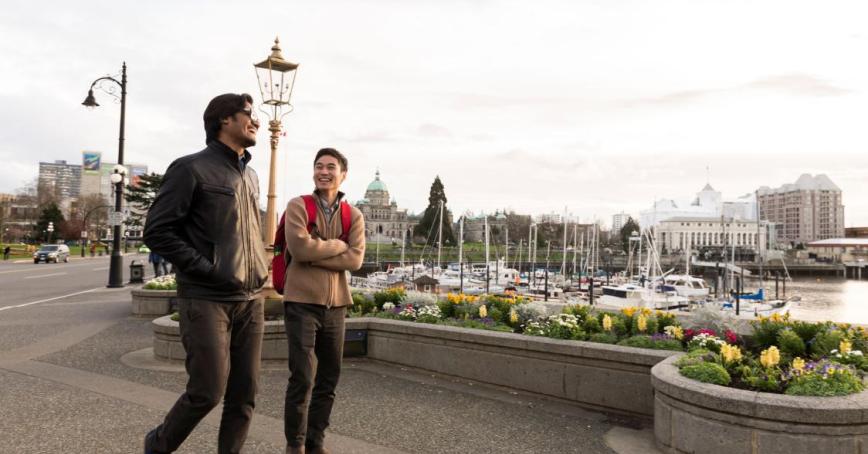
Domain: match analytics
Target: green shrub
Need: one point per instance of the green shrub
(826, 341)
(176, 317)
(668, 344)
(562, 332)
(665, 319)
(362, 304)
(392, 295)
(707, 373)
(619, 325)
(498, 316)
(592, 325)
(807, 330)
(639, 340)
(790, 343)
(581, 312)
(446, 308)
(765, 332)
(761, 378)
(604, 338)
(838, 384)
(697, 356)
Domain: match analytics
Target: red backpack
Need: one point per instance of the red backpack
(281, 259)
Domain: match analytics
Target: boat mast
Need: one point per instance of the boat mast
(403, 244)
(564, 257)
(575, 246)
(440, 236)
(461, 253)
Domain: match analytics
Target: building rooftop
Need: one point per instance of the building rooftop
(377, 185)
(839, 242)
(806, 182)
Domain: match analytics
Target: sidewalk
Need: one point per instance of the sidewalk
(90, 384)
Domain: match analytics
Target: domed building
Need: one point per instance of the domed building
(384, 222)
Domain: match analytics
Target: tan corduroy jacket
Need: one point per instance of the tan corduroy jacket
(317, 273)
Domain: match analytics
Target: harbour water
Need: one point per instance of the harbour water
(827, 298)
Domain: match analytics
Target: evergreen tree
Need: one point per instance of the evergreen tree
(430, 223)
(51, 213)
(141, 197)
(626, 231)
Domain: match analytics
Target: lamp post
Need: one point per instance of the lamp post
(276, 78)
(116, 278)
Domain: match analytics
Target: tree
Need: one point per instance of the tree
(49, 214)
(431, 217)
(626, 232)
(141, 196)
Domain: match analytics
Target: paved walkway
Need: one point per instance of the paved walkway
(77, 375)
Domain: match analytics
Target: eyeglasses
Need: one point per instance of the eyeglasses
(250, 114)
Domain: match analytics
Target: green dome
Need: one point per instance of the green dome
(377, 185)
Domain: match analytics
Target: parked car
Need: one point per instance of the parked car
(144, 249)
(51, 253)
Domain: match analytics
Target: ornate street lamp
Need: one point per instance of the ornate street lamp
(116, 272)
(276, 78)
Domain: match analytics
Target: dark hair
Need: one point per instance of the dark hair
(333, 153)
(223, 106)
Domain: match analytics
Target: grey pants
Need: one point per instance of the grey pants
(316, 345)
(223, 342)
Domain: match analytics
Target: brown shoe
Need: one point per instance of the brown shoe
(295, 449)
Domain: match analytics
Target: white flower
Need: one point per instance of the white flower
(856, 352)
(388, 306)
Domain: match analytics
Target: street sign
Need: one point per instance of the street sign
(116, 218)
(84, 234)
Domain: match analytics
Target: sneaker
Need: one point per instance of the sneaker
(149, 440)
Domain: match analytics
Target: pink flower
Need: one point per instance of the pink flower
(731, 337)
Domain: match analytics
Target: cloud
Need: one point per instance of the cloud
(791, 84)
(798, 84)
(432, 130)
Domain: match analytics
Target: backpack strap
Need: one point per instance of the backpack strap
(310, 207)
(346, 222)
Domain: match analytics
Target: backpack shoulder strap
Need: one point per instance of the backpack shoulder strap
(346, 221)
(310, 207)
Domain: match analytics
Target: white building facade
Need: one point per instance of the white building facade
(708, 203)
(693, 233)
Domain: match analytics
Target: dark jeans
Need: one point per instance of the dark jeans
(316, 345)
(223, 342)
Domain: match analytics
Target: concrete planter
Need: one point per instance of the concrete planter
(608, 377)
(690, 417)
(147, 303)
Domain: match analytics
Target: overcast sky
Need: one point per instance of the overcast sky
(596, 106)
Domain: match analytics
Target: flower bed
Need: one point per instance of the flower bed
(783, 356)
(691, 417)
(157, 297)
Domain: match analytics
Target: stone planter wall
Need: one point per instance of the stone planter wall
(609, 377)
(692, 417)
(147, 303)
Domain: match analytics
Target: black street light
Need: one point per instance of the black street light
(116, 272)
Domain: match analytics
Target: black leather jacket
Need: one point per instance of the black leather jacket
(205, 221)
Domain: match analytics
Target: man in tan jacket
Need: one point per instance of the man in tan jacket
(315, 300)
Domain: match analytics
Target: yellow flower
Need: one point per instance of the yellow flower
(845, 347)
(730, 353)
(770, 357)
(677, 332)
(776, 317)
(843, 326)
(645, 311)
(483, 311)
(607, 322)
(628, 311)
(798, 365)
(641, 323)
(513, 316)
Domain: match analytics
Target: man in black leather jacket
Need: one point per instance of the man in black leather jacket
(205, 221)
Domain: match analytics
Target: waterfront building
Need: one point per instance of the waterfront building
(808, 210)
(60, 182)
(679, 234)
(707, 203)
(384, 221)
(474, 227)
(619, 220)
(838, 250)
(856, 232)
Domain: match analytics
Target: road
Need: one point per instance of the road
(27, 283)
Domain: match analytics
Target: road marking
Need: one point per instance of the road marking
(100, 269)
(44, 275)
(50, 299)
